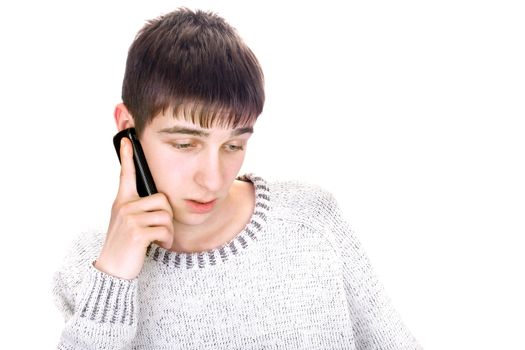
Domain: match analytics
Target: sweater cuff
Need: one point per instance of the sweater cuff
(108, 299)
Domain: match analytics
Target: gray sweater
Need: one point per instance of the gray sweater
(295, 278)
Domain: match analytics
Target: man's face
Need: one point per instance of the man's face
(189, 162)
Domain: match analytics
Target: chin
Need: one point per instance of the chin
(191, 219)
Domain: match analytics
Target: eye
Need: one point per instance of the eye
(234, 148)
(182, 145)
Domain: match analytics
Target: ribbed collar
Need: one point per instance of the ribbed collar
(219, 255)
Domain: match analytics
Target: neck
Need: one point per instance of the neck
(221, 227)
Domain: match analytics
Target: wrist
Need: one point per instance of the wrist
(113, 271)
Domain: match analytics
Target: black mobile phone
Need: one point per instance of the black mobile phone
(145, 184)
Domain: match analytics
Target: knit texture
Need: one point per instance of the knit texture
(295, 278)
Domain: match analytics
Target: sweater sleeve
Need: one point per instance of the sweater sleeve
(100, 310)
(375, 322)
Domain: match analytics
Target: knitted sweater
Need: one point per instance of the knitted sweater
(295, 278)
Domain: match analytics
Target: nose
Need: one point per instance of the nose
(209, 175)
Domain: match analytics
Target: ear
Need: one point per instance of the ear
(123, 118)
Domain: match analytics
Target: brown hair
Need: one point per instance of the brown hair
(196, 66)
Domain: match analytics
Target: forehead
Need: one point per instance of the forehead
(167, 125)
(210, 115)
(203, 117)
(163, 121)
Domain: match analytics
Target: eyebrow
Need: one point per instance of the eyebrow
(202, 133)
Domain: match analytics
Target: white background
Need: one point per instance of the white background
(410, 112)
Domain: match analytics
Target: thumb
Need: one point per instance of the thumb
(128, 184)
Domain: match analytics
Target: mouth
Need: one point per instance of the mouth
(199, 206)
(202, 201)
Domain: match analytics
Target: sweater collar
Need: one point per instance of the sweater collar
(239, 243)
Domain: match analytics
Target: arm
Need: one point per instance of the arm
(99, 299)
(376, 324)
(103, 315)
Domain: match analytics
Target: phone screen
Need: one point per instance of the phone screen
(145, 184)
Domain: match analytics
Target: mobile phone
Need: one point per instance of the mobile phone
(145, 184)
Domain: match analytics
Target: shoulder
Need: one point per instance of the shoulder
(82, 251)
(83, 248)
(314, 207)
(301, 200)
(286, 190)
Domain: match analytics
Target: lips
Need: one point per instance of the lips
(200, 207)
(203, 201)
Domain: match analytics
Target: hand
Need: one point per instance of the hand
(135, 223)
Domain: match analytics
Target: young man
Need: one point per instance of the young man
(213, 260)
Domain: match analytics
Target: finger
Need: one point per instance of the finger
(128, 185)
(160, 201)
(154, 218)
(160, 235)
(157, 201)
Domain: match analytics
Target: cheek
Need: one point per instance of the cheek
(236, 163)
(172, 170)
(168, 169)
(171, 178)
